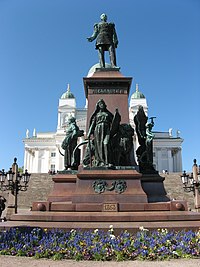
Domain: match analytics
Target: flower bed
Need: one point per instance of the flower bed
(100, 245)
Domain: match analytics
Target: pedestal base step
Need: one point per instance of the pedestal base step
(118, 226)
(109, 207)
(145, 216)
(66, 206)
(62, 206)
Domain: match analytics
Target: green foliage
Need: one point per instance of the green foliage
(21, 169)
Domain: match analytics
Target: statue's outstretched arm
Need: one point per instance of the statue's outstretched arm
(95, 33)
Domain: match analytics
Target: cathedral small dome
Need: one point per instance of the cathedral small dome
(137, 94)
(67, 94)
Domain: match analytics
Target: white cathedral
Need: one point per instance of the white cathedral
(42, 149)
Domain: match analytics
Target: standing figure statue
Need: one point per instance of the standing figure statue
(145, 139)
(69, 144)
(149, 141)
(122, 146)
(111, 144)
(100, 127)
(140, 121)
(106, 40)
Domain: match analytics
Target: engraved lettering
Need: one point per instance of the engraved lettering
(110, 207)
(108, 91)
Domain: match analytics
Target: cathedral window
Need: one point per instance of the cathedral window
(53, 168)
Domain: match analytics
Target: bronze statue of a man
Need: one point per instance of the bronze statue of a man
(145, 138)
(106, 40)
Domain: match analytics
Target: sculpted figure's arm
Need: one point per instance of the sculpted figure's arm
(74, 131)
(115, 39)
(91, 128)
(95, 33)
(149, 133)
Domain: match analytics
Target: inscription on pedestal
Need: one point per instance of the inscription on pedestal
(110, 207)
(108, 91)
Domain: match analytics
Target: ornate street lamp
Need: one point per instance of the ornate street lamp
(191, 183)
(14, 181)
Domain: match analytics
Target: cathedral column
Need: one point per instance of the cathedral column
(25, 159)
(176, 152)
(36, 161)
(170, 161)
(28, 165)
(46, 167)
(31, 159)
(178, 160)
(155, 158)
(59, 120)
(159, 159)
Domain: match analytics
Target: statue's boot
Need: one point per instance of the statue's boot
(112, 56)
(101, 57)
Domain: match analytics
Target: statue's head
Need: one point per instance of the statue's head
(140, 108)
(103, 17)
(71, 120)
(149, 125)
(101, 104)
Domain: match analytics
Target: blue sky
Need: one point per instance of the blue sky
(43, 47)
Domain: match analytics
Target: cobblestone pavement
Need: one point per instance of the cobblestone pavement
(10, 261)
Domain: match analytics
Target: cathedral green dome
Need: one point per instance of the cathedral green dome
(137, 94)
(67, 94)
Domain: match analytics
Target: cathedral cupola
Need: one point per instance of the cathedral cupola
(67, 94)
(137, 94)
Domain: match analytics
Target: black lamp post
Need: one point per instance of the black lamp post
(14, 181)
(191, 183)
